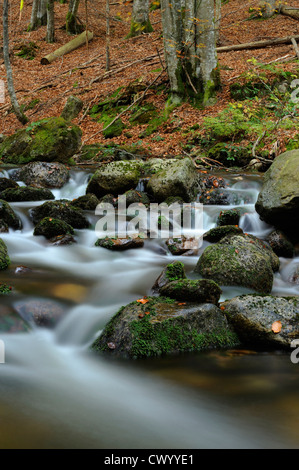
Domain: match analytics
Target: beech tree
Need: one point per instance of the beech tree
(38, 14)
(13, 98)
(140, 21)
(72, 26)
(190, 49)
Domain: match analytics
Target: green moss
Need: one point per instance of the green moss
(4, 258)
(175, 271)
(139, 28)
(50, 227)
(5, 289)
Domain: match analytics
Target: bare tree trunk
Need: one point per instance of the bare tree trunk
(50, 37)
(33, 20)
(140, 22)
(71, 18)
(217, 18)
(14, 102)
(42, 13)
(190, 48)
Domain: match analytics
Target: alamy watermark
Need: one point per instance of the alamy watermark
(295, 353)
(150, 221)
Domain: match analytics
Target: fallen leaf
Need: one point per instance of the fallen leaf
(142, 301)
(276, 326)
(182, 303)
(111, 345)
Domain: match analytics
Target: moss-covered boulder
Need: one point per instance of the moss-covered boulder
(26, 193)
(44, 174)
(4, 258)
(120, 244)
(114, 178)
(239, 260)
(278, 200)
(62, 210)
(72, 108)
(264, 320)
(8, 216)
(193, 290)
(88, 202)
(48, 140)
(178, 178)
(6, 183)
(158, 326)
(134, 197)
(215, 234)
(50, 227)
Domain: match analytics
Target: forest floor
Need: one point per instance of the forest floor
(48, 86)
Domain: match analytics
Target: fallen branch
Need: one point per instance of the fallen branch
(290, 11)
(257, 44)
(69, 47)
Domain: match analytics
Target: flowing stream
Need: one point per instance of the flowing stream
(55, 393)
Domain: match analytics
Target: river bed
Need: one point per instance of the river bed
(57, 394)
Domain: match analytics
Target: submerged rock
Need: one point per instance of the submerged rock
(44, 174)
(278, 200)
(48, 140)
(40, 312)
(264, 320)
(158, 326)
(239, 260)
(26, 193)
(11, 322)
(62, 210)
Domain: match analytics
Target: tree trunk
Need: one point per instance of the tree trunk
(50, 37)
(190, 49)
(72, 26)
(289, 11)
(33, 20)
(217, 18)
(42, 13)
(14, 102)
(140, 22)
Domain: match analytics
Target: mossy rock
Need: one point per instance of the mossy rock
(134, 197)
(6, 183)
(112, 129)
(172, 272)
(8, 216)
(193, 290)
(48, 140)
(143, 114)
(230, 155)
(162, 326)
(72, 108)
(4, 258)
(229, 217)
(50, 227)
(281, 244)
(26, 193)
(62, 210)
(179, 177)
(44, 174)
(88, 202)
(115, 178)
(293, 144)
(217, 233)
(239, 260)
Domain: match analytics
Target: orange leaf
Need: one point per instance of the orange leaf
(222, 307)
(142, 301)
(276, 326)
(182, 303)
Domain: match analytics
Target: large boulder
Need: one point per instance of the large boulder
(26, 193)
(48, 140)
(178, 177)
(264, 320)
(278, 200)
(44, 174)
(239, 260)
(114, 178)
(159, 325)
